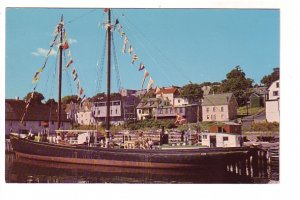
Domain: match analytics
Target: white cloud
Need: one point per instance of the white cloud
(44, 52)
(71, 40)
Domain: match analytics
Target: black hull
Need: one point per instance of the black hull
(175, 158)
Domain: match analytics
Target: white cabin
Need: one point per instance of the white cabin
(221, 139)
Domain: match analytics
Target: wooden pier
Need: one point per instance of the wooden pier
(254, 164)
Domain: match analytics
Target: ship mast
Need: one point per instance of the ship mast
(107, 127)
(60, 73)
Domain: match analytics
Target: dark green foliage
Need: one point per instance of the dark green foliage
(237, 83)
(101, 97)
(67, 99)
(265, 126)
(150, 123)
(51, 102)
(98, 97)
(269, 79)
(37, 97)
(192, 92)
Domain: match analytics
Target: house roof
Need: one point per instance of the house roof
(14, 110)
(217, 99)
(152, 103)
(170, 90)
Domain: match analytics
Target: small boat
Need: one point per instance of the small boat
(139, 158)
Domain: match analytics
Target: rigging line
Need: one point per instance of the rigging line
(97, 67)
(80, 16)
(47, 80)
(101, 66)
(116, 66)
(52, 88)
(102, 63)
(168, 61)
(150, 55)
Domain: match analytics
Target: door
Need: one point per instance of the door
(213, 141)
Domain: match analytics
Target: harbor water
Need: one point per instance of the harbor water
(21, 170)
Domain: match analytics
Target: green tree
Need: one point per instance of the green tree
(101, 97)
(192, 91)
(51, 102)
(269, 79)
(237, 83)
(37, 97)
(98, 97)
(67, 99)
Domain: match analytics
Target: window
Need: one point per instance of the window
(222, 109)
(277, 84)
(116, 111)
(207, 117)
(220, 129)
(204, 137)
(140, 111)
(275, 93)
(207, 109)
(178, 100)
(225, 138)
(98, 112)
(180, 110)
(214, 109)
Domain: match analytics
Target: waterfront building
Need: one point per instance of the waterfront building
(219, 107)
(39, 117)
(223, 135)
(84, 114)
(71, 111)
(122, 108)
(258, 97)
(166, 105)
(272, 102)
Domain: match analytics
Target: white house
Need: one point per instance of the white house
(171, 94)
(38, 117)
(272, 102)
(221, 139)
(219, 107)
(84, 114)
(116, 111)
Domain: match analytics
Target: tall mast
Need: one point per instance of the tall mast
(107, 127)
(60, 73)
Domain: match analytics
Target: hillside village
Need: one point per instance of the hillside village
(160, 104)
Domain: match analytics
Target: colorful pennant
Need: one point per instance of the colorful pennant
(134, 58)
(141, 67)
(150, 83)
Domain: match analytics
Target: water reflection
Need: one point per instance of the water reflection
(21, 170)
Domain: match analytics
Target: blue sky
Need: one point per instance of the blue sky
(176, 46)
